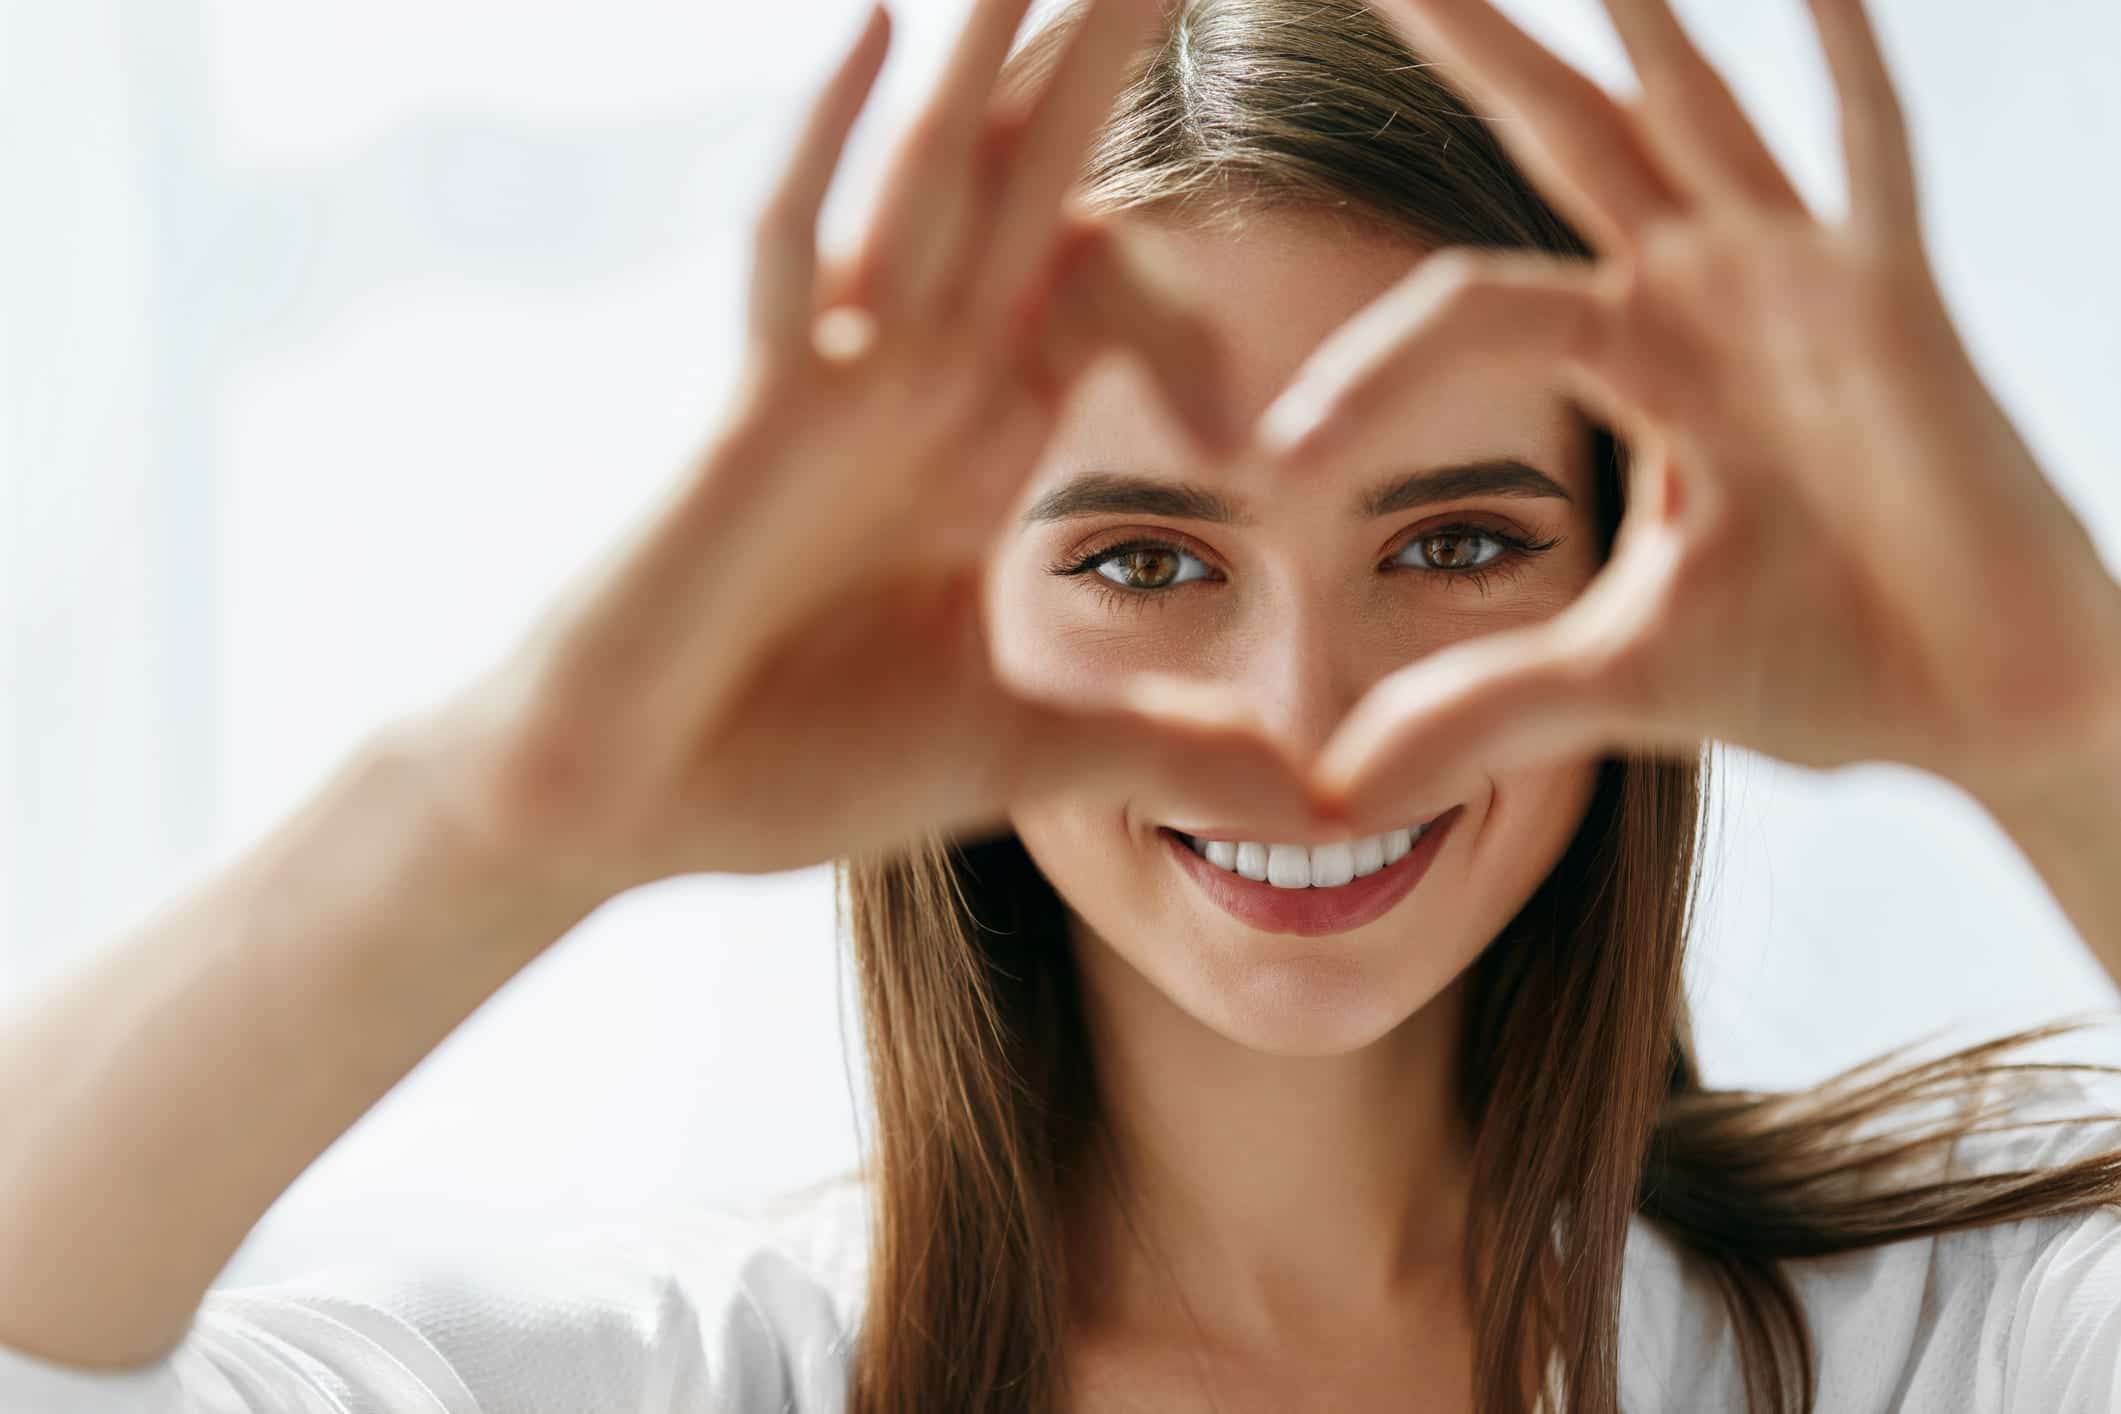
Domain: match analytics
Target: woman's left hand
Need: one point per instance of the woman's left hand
(1836, 547)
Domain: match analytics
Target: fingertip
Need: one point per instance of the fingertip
(871, 42)
(1295, 430)
(1331, 784)
(1329, 805)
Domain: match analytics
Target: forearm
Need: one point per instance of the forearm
(159, 1097)
(2070, 830)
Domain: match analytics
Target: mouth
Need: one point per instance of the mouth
(1312, 890)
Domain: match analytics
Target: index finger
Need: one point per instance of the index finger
(1047, 151)
(784, 267)
(1881, 166)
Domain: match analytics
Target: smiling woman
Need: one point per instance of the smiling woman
(1273, 1001)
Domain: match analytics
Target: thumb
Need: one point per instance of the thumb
(1191, 746)
(1505, 700)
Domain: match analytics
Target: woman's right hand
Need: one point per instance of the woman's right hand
(786, 661)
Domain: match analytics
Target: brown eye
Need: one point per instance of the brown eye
(1144, 567)
(1458, 549)
(1454, 550)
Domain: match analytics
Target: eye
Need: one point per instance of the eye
(1459, 550)
(1142, 570)
(1145, 564)
(1454, 552)
(1135, 571)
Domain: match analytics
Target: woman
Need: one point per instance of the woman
(1270, 946)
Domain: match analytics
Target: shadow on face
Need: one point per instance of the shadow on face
(1297, 596)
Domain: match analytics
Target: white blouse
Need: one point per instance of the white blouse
(753, 1311)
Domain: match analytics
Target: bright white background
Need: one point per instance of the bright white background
(334, 335)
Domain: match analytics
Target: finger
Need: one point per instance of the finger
(1046, 152)
(1503, 701)
(1690, 115)
(784, 269)
(1109, 298)
(1576, 142)
(1457, 304)
(1187, 744)
(1883, 197)
(919, 232)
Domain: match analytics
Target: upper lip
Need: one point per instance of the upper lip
(1237, 835)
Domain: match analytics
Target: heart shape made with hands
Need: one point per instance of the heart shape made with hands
(1809, 438)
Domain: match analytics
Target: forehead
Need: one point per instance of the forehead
(1275, 287)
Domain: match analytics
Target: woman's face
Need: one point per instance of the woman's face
(1298, 603)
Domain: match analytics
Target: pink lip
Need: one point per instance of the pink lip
(1209, 834)
(1311, 913)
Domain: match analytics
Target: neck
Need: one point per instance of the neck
(1264, 1196)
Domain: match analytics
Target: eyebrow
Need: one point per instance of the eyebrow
(1111, 492)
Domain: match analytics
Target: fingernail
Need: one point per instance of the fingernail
(843, 334)
(1294, 428)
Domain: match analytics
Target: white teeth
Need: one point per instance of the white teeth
(1332, 865)
(1397, 844)
(1293, 866)
(1288, 866)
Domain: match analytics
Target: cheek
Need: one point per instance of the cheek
(1050, 633)
(1085, 851)
(1533, 815)
(1081, 846)
(1036, 636)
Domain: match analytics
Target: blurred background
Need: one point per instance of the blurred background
(335, 336)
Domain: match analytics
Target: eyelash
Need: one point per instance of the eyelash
(1518, 553)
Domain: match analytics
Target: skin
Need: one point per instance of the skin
(1283, 1102)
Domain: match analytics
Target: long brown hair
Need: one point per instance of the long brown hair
(1577, 1039)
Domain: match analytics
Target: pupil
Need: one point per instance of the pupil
(1154, 581)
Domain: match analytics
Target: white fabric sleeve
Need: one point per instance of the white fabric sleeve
(2057, 1295)
(712, 1317)
(2065, 1333)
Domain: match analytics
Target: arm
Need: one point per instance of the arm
(2072, 835)
(160, 1096)
(2066, 816)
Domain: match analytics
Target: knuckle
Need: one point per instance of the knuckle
(925, 143)
(775, 226)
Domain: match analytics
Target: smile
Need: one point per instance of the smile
(1310, 890)
(1293, 866)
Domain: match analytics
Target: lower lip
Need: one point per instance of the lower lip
(1311, 913)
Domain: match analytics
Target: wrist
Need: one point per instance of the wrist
(2073, 779)
(447, 784)
(2066, 819)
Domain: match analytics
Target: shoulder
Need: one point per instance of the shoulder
(2023, 1313)
(732, 1307)
(820, 1231)
(2048, 1289)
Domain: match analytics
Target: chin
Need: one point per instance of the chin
(1310, 1009)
